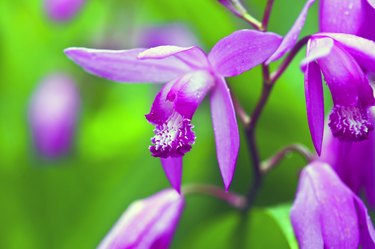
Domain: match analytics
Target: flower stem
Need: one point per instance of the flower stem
(267, 14)
(270, 163)
(233, 199)
(252, 21)
(251, 139)
(284, 65)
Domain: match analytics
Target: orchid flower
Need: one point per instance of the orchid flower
(327, 214)
(147, 224)
(190, 74)
(53, 115)
(62, 10)
(354, 163)
(343, 59)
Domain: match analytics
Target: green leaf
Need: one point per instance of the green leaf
(260, 229)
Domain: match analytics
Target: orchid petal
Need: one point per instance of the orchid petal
(371, 2)
(341, 16)
(183, 95)
(241, 51)
(344, 157)
(367, 232)
(291, 38)
(194, 57)
(330, 203)
(361, 49)
(226, 130)
(304, 216)
(315, 104)
(346, 80)
(148, 223)
(124, 66)
(173, 169)
(317, 48)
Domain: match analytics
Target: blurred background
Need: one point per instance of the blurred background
(71, 196)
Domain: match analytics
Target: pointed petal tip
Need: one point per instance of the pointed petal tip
(318, 148)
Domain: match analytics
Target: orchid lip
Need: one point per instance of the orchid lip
(173, 138)
(350, 123)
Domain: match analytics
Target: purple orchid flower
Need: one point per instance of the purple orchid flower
(190, 74)
(62, 10)
(343, 59)
(53, 114)
(354, 163)
(147, 224)
(327, 214)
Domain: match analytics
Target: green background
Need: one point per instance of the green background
(72, 202)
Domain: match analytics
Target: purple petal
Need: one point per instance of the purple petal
(148, 223)
(226, 130)
(341, 16)
(241, 51)
(291, 38)
(315, 104)
(193, 57)
(361, 49)
(62, 10)
(330, 203)
(345, 78)
(304, 216)
(124, 66)
(366, 229)
(371, 2)
(183, 95)
(317, 48)
(53, 114)
(345, 157)
(173, 169)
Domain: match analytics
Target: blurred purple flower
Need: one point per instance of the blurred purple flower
(343, 59)
(62, 10)
(52, 114)
(147, 224)
(327, 214)
(190, 74)
(168, 34)
(354, 163)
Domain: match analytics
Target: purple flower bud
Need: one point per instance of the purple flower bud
(354, 162)
(52, 115)
(147, 224)
(327, 214)
(62, 10)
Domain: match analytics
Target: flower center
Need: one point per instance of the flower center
(173, 138)
(350, 123)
